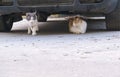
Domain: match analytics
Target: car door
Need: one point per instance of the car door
(6, 2)
(42, 2)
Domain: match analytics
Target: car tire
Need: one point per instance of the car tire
(42, 17)
(113, 19)
(6, 22)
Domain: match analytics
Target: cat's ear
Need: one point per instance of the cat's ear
(27, 14)
(35, 12)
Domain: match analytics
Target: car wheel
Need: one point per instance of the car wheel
(42, 17)
(6, 22)
(113, 19)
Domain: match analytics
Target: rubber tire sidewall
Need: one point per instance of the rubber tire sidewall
(113, 19)
(42, 17)
(6, 23)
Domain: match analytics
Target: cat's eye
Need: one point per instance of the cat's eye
(28, 17)
(34, 17)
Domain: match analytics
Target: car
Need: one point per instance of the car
(12, 10)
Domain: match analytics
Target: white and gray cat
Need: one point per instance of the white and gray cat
(32, 22)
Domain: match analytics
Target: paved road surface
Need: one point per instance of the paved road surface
(55, 52)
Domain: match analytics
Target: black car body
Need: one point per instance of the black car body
(13, 9)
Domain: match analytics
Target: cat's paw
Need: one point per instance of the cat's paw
(34, 34)
(29, 33)
(77, 32)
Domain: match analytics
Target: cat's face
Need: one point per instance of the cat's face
(77, 20)
(31, 16)
(74, 21)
